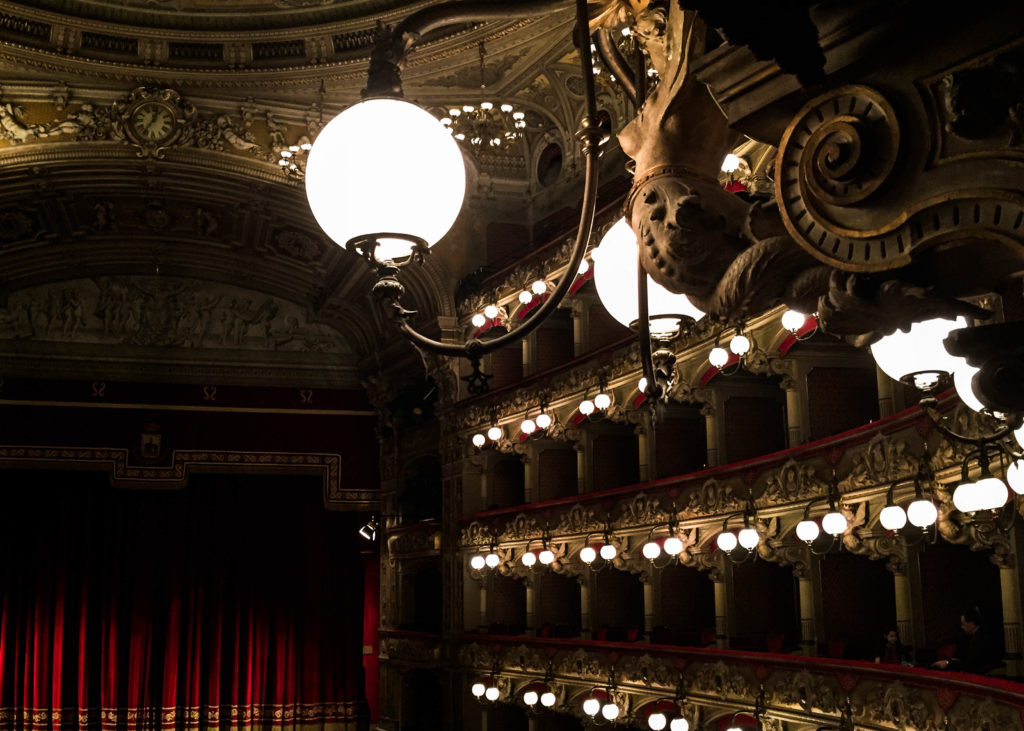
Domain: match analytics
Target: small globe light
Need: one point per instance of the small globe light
(602, 401)
(494, 433)
(993, 493)
(922, 513)
(492, 559)
(610, 711)
(740, 345)
(591, 706)
(479, 320)
(529, 559)
(892, 517)
(529, 426)
(608, 552)
(727, 541)
(748, 538)
(1019, 436)
(641, 385)
(651, 550)
(547, 699)
(793, 320)
(547, 557)
(584, 267)
(530, 697)
(657, 721)
(966, 498)
(718, 357)
(492, 693)
(1015, 476)
(615, 277)
(479, 440)
(962, 380)
(491, 311)
(673, 546)
(679, 724)
(385, 144)
(478, 689)
(920, 351)
(477, 562)
(588, 555)
(539, 287)
(543, 421)
(807, 530)
(586, 407)
(731, 163)
(834, 523)
(525, 297)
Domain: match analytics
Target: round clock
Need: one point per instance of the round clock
(153, 122)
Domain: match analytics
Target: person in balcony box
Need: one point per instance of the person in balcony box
(891, 651)
(978, 651)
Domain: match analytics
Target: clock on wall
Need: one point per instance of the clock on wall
(153, 122)
(153, 119)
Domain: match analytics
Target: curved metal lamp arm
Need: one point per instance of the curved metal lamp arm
(389, 290)
(611, 57)
(929, 406)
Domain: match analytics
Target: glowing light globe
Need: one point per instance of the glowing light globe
(543, 421)
(591, 706)
(892, 517)
(529, 426)
(491, 311)
(615, 276)
(479, 320)
(748, 538)
(657, 721)
(529, 559)
(525, 297)
(602, 401)
(962, 377)
(479, 440)
(539, 287)
(530, 697)
(478, 689)
(807, 530)
(546, 557)
(922, 513)
(492, 693)
(588, 555)
(608, 552)
(718, 357)
(477, 562)
(547, 699)
(641, 385)
(586, 407)
(383, 166)
(1019, 436)
(679, 724)
(731, 163)
(673, 546)
(988, 493)
(651, 550)
(919, 351)
(793, 320)
(727, 541)
(834, 523)
(740, 345)
(492, 560)
(494, 433)
(610, 711)
(1015, 476)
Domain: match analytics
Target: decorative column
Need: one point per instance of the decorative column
(529, 344)
(644, 443)
(1009, 585)
(809, 582)
(531, 485)
(580, 309)
(711, 429)
(794, 412)
(584, 608)
(531, 608)
(885, 394)
(484, 621)
(584, 475)
(720, 574)
(649, 607)
(906, 577)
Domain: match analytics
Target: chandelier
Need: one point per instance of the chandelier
(485, 124)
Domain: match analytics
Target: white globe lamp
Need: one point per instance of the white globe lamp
(385, 166)
(479, 440)
(651, 550)
(748, 538)
(922, 513)
(529, 559)
(531, 697)
(834, 523)
(547, 699)
(919, 355)
(740, 345)
(793, 320)
(477, 563)
(727, 541)
(1015, 476)
(586, 407)
(591, 706)
(478, 689)
(962, 378)
(546, 557)
(602, 401)
(588, 555)
(492, 693)
(718, 357)
(492, 559)
(529, 426)
(673, 546)
(892, 517)
(543, 421)
(610, 711)
(494, 433)
(608, 552)
(679, 724)
(657, 721)
(807, 530)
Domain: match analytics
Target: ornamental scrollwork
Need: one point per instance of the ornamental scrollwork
(521, 528)
(582, 664)
(721, 680)
(577, 519)
(646, 670)
(713, 497)
(805, 690)
(525, 659)
(983, 714)
(901, 707)
(883, 460)
(794, 481)
(643, 510)
(878, 546)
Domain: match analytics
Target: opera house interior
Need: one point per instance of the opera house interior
(510, 365)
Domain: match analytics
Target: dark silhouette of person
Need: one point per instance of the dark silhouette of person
(891, 651)
(978, 651)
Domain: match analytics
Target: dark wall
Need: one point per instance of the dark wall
(765, 604)
(681, 444)
(617, 602)
(839, 399)
(687, 604)
(754, 426)
(506, 485)
(508, 605)
(859, 605)
(557, 474)
(954, 578)
(616, 461)
(557, 601)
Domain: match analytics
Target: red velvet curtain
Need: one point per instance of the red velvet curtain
(234, 603)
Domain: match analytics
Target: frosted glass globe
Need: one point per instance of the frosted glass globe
(807, 530)
(477, 562)
(966, 498)
(586, 407)
(385, 165)
(740, 345)
(539, 287)
(641, 385)
(529, 426)
(892, 517)
(608, 552)
(962, 381)
(727, 541)
(547, 699)
(543, 421)
(922, 513)
(479, 320)
(588, 555)
(994, 493)
(793, 320)
(615, 277)
(478, 689)
(591, 706)
(1015, 476)
(679, 724)
(748, 538)
(673, 546)
(494, 433)
(479, 440)
(920, 350)
(491, 311)
(492, 693)
(546, 557)
(530, 697)
(610, 711)
(492, 560)
(657, 721)
(651, 550)
(525, 297)
(602, 401)
(529, 558)
(718, 357)
(1019, 436)
(833, 523)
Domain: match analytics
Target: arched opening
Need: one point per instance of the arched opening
(558, 605)
(419, 497)
(859, 606)
(617, 611)
(422, 701)
(765, 607)
(687, 608)
(507, 482)
(549, 164)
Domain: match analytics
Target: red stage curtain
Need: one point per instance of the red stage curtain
(234, 603)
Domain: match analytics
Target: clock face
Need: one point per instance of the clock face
(153, 122)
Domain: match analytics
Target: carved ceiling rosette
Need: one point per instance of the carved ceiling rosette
(646, 670)
(805, 690)
(712, 498)
(793, 482)
(882, 461)
(901, 707)
(719, 679)
(983, 714)
(583, 665)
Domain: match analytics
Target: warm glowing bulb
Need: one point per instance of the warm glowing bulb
(529, 558)
(584, 267)
(543, 421)
(608, 552)
(793, 320)
(547, 557)
(588, 555)
(591, 706)
(492, 559)
(529, 426)
(491, 311)
(494, 433)
(892, 517)
(740, 345)
(922, 513)
(718, 357)
(479, 320)
(657, 721)
(748, 538)
(731, 163)
(586, 407)
(673, 546)
(610, 711)
(547, 699)
(602, 401)
(963, 380)
(525, 297)
(530, 697)
(651, 550)
(539, 287)
(679, 724)
(477, 562)
(1019, 436)
(727, 541)
(1015, 476)
(807, 530)
(641, 385)
(492, 693)
(834, 523)
(478, 689)
(479, 440)
(920, 351)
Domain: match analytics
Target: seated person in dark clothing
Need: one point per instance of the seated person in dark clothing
(891, 651)
(979, 649)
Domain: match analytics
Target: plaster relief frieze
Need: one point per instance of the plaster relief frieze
(478, 656)
(583, 665)
(526, 659)
(647, 671)
(793, 482)
(805, 690)
(901, 707)
(521, 528)
(879, 546)
(883, 460)
(578, 519)
(719, 679)
(712, 498)
(983, 714)
(163, 312)
(642, 510)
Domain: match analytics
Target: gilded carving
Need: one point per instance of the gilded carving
(583, 664)
(642, 510)
(983, 714)
(713, 497)
(577, 519)
(794, 481)
(882, 461)
(901, 707)
(719, 679)
(805, 690)
(521, 528)
(647, 671)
